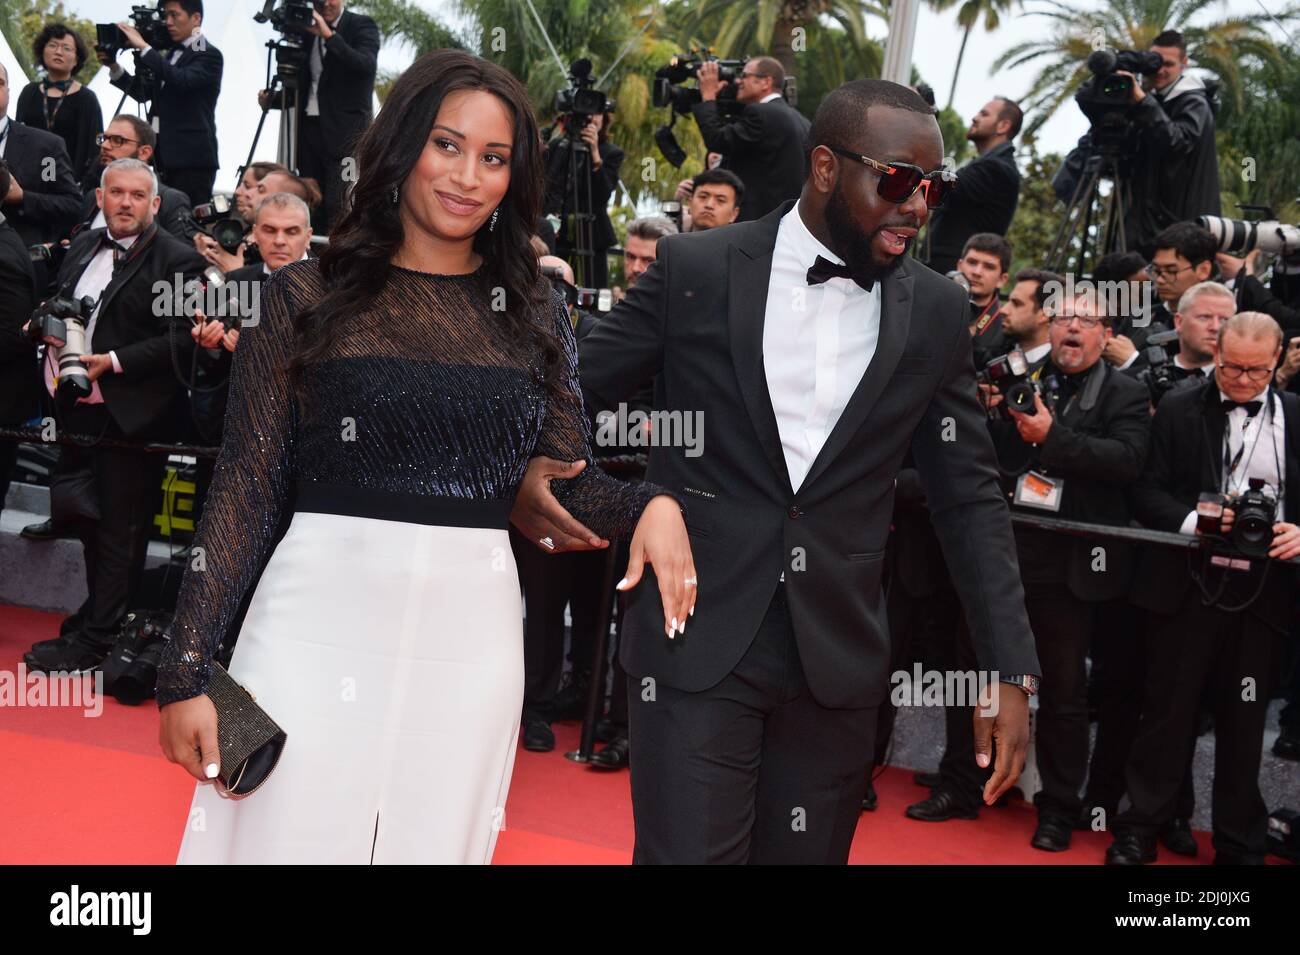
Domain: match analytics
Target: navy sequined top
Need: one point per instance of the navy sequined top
(424, 393)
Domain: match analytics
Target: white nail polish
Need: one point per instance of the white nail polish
(621, 584)
(692, 610)
(674, 623)
(211, 770)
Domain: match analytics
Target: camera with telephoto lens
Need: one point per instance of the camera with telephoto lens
(61, 324)
(1010, 373)
(1105, 96)
(587, 299)
(680, 99)
(1254, 514)
(214, 219)
(131, 667)
(292, 18)
(149, 23)
(1241, 236)
(1160, 376)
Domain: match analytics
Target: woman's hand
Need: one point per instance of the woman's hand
(660, 538)
(188, 736)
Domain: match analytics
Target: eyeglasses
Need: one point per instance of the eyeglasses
(749, 76)
(1233, 372)
(117, 141)
(1085, 321)
(1168, 271)
(900, 180)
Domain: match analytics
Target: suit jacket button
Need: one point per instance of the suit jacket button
(796, 512)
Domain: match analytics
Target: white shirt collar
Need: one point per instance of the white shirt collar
(1261, 397)
(770, 96)
(1037, 352)
(802, 243)
(266, 269)
(125, 242)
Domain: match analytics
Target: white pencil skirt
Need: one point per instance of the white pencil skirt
(391, 654)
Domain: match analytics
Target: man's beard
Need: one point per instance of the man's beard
(852, 245)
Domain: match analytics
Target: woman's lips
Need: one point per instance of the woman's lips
(457, 207)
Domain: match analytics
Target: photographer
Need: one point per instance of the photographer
(337, 105)
(40, 207)
(19, 380)
(990, 186)
(181, 87)
(1232, 431)
(275, 178)
(1132, 328)
(563, 190)
(1252, 296)
(984, 262)
(1202, 312)
(133, 395)
(1071, 456)
(1026, 322)
(767, 146)
(129, 137)
(712, 199)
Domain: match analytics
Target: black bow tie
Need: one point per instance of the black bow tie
(106, 241)
(1252, 407)
(824, 269)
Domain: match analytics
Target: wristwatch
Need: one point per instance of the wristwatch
(1025, 681)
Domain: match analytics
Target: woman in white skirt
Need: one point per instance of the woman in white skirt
(385, 406)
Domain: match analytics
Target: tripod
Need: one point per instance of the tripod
(283, 89)
(1088, 201)
(577, 199)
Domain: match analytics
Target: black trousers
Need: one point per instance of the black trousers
(959, 774)
(752, 770)
(128, 488)
(1235, 655)
(315, 162)
(195, 183)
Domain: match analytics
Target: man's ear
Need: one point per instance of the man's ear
(99, 197)
(1203, 269)
(144, 153)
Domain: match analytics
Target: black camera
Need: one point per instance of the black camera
(131, 667)
(1104, 96)
(1254, 514)
(680, 99)
(1160, 376)
(61, 324)
(293, 18)
(580, 100)
(1010, 373)
(214, 219)
(587, 299)
(148, 21)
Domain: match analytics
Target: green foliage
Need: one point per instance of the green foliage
(23, 21)
(1038, 216)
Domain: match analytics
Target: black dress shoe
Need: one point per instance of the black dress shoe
(571, 698)
(43, 531)
(606, 730)
(73, 657)
(613, 756)
(538, 737)
(1131, 850)
(1178, 839)
(928, 780)
(41, 647)
(940, 807)
(1287, 744)
(869, 801)
(1053, 834)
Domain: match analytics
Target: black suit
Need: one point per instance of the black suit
(345, 97)
(767, 147)
(49, 206)
(1191, 646)
(182, 98)
(19, 373)
(819, 643)
(988, 190)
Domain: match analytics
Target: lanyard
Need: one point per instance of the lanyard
(986, 316)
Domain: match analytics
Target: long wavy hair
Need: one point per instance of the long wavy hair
(356, 264)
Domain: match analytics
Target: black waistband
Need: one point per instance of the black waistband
(320, 498)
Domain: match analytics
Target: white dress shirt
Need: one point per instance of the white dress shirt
(769, 97)
(1264, 437)
(116, 70)
(817, 343)
(1038, 351)
(93, 281)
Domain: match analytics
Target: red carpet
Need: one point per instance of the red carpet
(81, 790)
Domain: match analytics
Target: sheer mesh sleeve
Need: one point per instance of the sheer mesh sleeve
(244, 505)
(610, 507)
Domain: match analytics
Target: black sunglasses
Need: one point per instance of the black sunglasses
(900, 180)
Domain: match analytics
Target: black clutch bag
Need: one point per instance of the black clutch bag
(250, 741)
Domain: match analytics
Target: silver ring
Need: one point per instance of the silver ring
(547, 543)
(691, 582)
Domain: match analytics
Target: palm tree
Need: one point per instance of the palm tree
(1221, 46)
(969, 14)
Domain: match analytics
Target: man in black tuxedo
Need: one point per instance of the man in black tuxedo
(990, 186)
(753, 727)
(19, 381)
(336, 103)
(40, 206)
(767, 146)
(131, 334)
(181, 89)
(1218, 437)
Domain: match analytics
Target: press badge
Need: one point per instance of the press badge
(1037, 490)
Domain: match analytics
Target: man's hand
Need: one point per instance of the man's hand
(230, 339)
(1225, 522)
(1033, 428)
(104, 57)
(1118, 349)
(15, 194)
(990, 397)
(1290, 365)
(707, 74)
(684, 190)
(319, 27)
(1138, 94)
(97, 365)
(539, 516)
(207, 333)
(1286, 541)
(592, 139)
(133, 37)
(1009, 727)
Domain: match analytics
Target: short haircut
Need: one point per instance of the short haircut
(1046, 281)
(1200, 289)
(57, 31)
(1189, 240)
(651, 228)
(189, 6)
(992, 244)
(769, 67)
(1171, 38)
(1010, 111)
(305, 189)
(724, 177)
(284, 200)
(262, 169)
(130, 165)
(144, 133)
(1252, 325)
(1118, 266)
(5, 178)
(841, 119)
